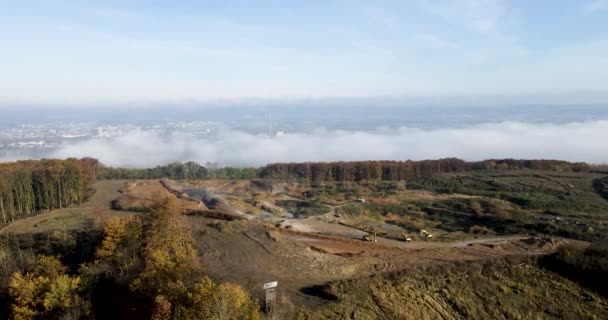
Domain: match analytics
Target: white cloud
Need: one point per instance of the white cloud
(573, 141)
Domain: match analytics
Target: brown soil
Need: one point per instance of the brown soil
(141, 194)
(261, 253)
(298, 253)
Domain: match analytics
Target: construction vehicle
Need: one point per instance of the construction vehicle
(425, 234)
(370, 237)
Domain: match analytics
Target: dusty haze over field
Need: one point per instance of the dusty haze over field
(581, 141)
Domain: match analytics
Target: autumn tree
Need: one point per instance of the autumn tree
(119, 254)
(169, 255)
(47, 293)
(171, 265)
(27, 187)
(226, 301)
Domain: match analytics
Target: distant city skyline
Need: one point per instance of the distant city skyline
(138, 52)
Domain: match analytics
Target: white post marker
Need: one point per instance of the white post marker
(270, 285)
(270, 288)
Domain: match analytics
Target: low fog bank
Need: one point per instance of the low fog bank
(584, 141)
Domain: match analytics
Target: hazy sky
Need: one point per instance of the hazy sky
(79, 52)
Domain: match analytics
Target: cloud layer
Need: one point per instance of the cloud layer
(584, 141)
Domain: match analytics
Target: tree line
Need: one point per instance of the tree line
(30, 186)
(180, 171)
(402, 170)
(342, 171)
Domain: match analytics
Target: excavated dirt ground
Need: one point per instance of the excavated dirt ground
(301, 254)
(255, 253)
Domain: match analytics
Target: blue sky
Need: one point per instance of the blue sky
(91, 52)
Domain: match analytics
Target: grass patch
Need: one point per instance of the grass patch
(495, 289)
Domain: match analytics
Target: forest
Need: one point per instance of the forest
(180, 171)
(402, 170)
(30, 186)
(27, 187)
(137, 267)
(336, 171)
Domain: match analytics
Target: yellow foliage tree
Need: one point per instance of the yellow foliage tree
(63, 294)
(120, 251)
(114, 231)
(231, 302)
(47, 292)
(162, 308)
(26, 291)
(227, 301)
(49, 266)
(169, 255)
(160, 245)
